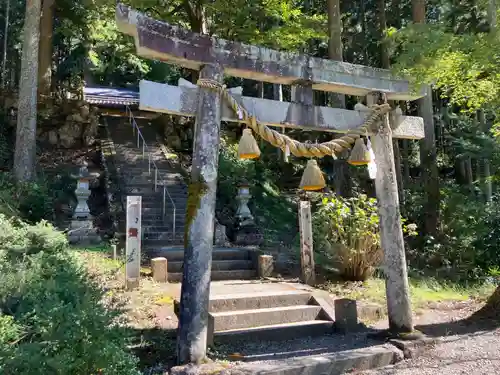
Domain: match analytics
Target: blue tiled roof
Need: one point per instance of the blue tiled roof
(110, 96)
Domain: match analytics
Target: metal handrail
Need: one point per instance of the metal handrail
(145, 148)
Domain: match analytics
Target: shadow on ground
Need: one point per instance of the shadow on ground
(473, 324)
(154, 347)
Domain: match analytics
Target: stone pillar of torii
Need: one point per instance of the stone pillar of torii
(214, 58)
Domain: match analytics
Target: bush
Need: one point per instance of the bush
(346, 231)
(466, 245)
(19, 239)
(30, 201)
(54, 317)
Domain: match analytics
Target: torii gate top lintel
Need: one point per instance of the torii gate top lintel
(161, 41)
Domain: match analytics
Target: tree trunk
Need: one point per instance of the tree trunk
(364, 29)
(399, 174)
(460, 172)
(278, 95)
(428, 164)
(45, 61)
(335, 52)
(386, 64)
(406, 162)
(198, 23)
(24, 157)
(335, 49)
(469, 177)
(492, 15)
(418, 8)
(5, 44)
(428, 145)
(488, 189)
(384, 50)
(491, 310)
(395, 14)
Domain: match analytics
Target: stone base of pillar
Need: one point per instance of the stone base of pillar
(82, 232)
(265, 265)
(159, 269)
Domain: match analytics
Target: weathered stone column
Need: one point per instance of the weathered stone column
(391, 232)
(199, 232)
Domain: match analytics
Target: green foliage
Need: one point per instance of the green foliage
(267, 199)
(457, 56)
(19, 239)
(465, 247)
(54, 317)
(31, 201)
(347, 232)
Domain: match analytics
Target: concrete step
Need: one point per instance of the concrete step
(276, 332)
(229, 320)
(149, 244)
(174, 253)
(152, 212)
(150, 180)
(149, 195)
(162, 228)
(254, 301)
(142, 170)
(167, 223)
(149, 186)
(217, 265)
(152, 198)
(220, 275)
(156, 206)
(162, 236)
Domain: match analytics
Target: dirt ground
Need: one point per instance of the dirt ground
(467, 348)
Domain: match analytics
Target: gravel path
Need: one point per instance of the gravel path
(472, 354)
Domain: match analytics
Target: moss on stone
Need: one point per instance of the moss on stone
(195, 190)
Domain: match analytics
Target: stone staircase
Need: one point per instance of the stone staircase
(160, 237)
(139, 177)
(227, 263)
(271, 312)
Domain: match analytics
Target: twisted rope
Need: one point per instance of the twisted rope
(283, 141)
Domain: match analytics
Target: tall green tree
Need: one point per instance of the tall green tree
(45, 48)
(428, 144)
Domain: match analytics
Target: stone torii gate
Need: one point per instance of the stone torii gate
(214, 57)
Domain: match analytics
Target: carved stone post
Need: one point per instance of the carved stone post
(306, 243)
(133, 244)
(391, 232)
(199, 232)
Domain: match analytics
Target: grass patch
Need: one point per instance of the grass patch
(97, 259)
(422, 292)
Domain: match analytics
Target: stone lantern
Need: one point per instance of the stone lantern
(243, 214)
(82, 228)
(82, 193)
(245, 232)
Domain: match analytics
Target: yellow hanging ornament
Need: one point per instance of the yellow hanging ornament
(312, 178)
(360, 155)
(248, 148)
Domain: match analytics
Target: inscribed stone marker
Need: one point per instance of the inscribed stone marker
(133, 244)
